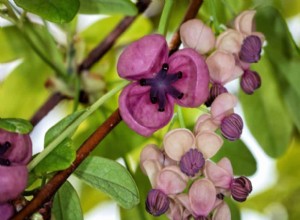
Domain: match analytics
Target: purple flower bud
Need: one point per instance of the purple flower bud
(157, 202)
(240, 188)
(232, 126)
(215, 90)
(250, 81)
(13, 182)
(191, 162)
(6, 211)
(251, 49)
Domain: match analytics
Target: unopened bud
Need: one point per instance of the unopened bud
(250, 81)
(240, 188)
(157, 202)
(232, 126)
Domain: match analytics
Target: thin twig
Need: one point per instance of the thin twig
(92, 141)
(52, 101)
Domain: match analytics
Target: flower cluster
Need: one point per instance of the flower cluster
(185, 182)
(233, 52)
(15, 153)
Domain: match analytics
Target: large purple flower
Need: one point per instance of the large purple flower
(159, 81)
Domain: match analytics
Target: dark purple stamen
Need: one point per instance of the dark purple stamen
(191, 162)
(220, 196)
(4, 162)
(161, 85)
(251, 49)
(4, 147)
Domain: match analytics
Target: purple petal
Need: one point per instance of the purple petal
(143, 58)
(139, 113)
(6, 211)
(20, 150)
(13, 182)
(195, 77)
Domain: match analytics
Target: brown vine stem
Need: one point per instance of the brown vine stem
(92, 141)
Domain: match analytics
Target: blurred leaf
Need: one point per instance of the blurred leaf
(125, 7)
(12, 44)
(66, 204)
(54, 10)
(284, 56)
(266, 114)
(17, 125)
(242, 160)
(110, 177)
(286, 191)
(60, 158)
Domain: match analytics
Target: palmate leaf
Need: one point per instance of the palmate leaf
(111, 178)
(54, 10)
(66, 204)
(125, 7)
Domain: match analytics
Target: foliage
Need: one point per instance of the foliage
(48, 64)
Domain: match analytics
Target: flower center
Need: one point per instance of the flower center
(161, 85)
(191, 162)
(3, 148)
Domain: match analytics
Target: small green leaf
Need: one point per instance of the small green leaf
(110, 177)
(62, 125)
(125, 7)
(54, 10)
(66, 204)
(60, 158)
(243, 162)
(16, 125)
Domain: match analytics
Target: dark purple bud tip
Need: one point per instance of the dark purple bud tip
(157, 202)
(191, 162)
(240, 188)
(215, 90)
(251, 49)
(232, 127)
(250, 81)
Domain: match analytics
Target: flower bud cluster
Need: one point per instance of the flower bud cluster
(185, 182)
(15, 153)
(229, 55)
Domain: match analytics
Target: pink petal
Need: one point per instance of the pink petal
(175, 211)
(226, 165)
(171, 181)
(195, 34)
(151, 152)
(177, 142)
(219, 176)
(222, 106)
(204, 123)
(202, 196)
(143, 58)
(208, 143)
(230, 41)
(139, 113)
(152, 169)
(244, 22)
(195, 77)
(222, 212)
(222, 67)
(185, 201)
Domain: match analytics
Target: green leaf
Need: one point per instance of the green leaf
(110, 177)
(60, 158)
(125, 7)
(266, 114)
(54, 10)
(243, 162)
(62, 125)
(17, 125)
(66, 204)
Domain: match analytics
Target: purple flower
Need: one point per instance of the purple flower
(6, 211)
(159, 81)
